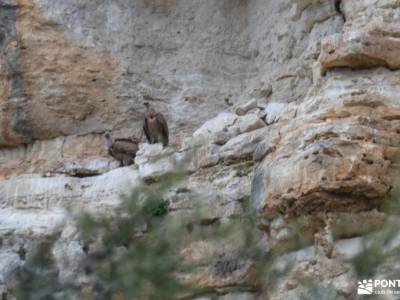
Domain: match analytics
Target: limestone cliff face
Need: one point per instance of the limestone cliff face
(339, 151)
(292, 103)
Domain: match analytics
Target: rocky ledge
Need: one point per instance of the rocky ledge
(309, 137)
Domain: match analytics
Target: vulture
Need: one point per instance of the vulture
(155, 126)
(123, 150)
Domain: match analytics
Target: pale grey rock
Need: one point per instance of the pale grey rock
(235, 188)
(216, 193)
(238, 296)
(262, 91)
(238, 148)
(299, 6)
(155, 161)
(326, 278)
(283, 234)
(263, 149)
(36, 192)
(258, 192)
(287, 260)
(224, 127)
(157, 168)
(69, 258)
(360, 45)
(311, 292)
(211, 127)
(149, 151)
(318, 32)
(243, 145)
(394, 243)
(31, 222)
(319, 12)
(207, 156)
(243, 109)
(222, 137)
(274, 111)
(278, 223)
(247, 123)
(88, 168)
(192, 61)
(223, 120)
(213, 206)
(32, 205)
(349, 248)
(101, 192)
(9, 262)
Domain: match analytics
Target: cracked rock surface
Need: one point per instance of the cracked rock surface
(290, 105)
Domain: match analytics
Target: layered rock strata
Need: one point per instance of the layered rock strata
(300, 113)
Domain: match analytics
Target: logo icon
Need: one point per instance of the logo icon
(365, 287)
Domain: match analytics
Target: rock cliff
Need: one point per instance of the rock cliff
(291, 105)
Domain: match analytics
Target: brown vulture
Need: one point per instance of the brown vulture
(123, 150)
(155, 126)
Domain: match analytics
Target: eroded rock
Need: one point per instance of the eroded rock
(213, 126)
(154, 161)
(243, 109)
(329, 154)
(334, 157)
(366, 42)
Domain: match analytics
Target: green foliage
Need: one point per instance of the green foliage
(379, 247)
(377, 250)
(37, 279)
(135, 252)
(159, 208)
(137, 256)
(131, 252)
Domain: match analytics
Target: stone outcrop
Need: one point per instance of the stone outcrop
(73, 155)
(338, 154)
(80, 68)
(34, 207)
(289, 105)
(370, 37)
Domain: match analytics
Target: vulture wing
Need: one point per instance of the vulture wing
(125, 146)
(146, 130)
(164, 128)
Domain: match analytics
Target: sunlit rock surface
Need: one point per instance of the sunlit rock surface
(290, 107)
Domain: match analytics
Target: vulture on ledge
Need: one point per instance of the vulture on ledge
(155, 126)
(123, 150)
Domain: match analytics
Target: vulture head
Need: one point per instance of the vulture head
(155, 126)
(150, 112)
